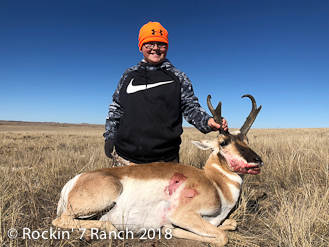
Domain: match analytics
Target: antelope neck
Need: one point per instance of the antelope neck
(227, 183)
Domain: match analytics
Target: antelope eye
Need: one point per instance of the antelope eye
(224, 143)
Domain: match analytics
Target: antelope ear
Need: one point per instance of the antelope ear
(205, 144)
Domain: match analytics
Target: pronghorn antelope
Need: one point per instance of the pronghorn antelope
(182, 200)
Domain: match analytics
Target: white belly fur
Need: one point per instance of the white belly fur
(143, 204)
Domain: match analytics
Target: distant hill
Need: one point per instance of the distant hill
(44, 124)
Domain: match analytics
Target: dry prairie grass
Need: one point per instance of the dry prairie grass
(286, 205)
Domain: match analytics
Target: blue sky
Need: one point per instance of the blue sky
(60, 61)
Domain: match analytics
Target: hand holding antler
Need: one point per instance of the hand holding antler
(215, 126)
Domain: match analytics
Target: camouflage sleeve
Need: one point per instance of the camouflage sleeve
(112, 120)
(115, 108)
(115, 111)
(192, 111)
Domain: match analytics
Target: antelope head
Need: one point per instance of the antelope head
(232, 148)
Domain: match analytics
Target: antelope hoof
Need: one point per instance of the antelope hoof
(58, 222)
(87, 236)
(230, 224)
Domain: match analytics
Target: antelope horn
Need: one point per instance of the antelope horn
(217, 114)
(252, 116)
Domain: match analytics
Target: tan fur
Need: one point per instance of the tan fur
(83, 200)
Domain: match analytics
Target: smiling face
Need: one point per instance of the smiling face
(154, 55)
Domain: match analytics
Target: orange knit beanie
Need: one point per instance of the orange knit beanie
(152, 31)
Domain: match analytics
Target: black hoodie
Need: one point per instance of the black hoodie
(152, 100)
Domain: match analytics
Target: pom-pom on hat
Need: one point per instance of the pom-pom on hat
(152, 31)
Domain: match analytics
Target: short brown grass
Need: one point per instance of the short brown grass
(286, 205)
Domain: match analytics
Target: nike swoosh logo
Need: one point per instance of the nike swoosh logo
(133, 89)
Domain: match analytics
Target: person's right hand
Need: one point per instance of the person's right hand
(215, 126)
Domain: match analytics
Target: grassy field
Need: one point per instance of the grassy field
(287, 204)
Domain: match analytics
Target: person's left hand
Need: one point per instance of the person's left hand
(109, 144)
(215, 126)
